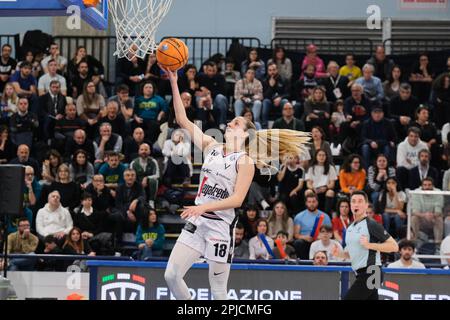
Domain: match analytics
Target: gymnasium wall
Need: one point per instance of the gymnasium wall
(248, 17)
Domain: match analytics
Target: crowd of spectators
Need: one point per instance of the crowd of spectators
(99, 162)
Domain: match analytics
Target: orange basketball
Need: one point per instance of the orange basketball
(172, 54)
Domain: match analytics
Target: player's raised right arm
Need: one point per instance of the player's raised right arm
(200, 139)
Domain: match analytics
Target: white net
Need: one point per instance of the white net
(136, 22)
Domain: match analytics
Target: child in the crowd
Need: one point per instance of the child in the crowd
(150, 237)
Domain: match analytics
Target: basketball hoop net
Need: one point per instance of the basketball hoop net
(136, 22)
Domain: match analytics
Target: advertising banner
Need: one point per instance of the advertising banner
(128, 283)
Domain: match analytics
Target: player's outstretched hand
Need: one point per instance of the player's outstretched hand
(172, 75)
(192, 211)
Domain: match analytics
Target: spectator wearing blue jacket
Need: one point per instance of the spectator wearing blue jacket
(304, 223)
(150, 237)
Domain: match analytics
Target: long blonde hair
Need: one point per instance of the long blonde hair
(14, 97)
(266, 146)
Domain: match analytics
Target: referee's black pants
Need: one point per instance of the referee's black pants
(360, 290)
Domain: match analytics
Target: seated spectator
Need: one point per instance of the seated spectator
(81, 170)
(102, 196)
(31, 194)
(320, 180)
(191, 111)
(373, 88)
(90, 222)
(402, 109)
(288, 120)
(149, 110)
(378, 136)
(382, 64)
(8, 66)
(275, 94)
(352, 176)
(373, 215)
(254, 62)
(325, 243)
(391, 86)
(23, 158)
(304, 223)
(391, 203)
(75, 244)
(426, 213)
(260, 193)
(320, 258)
(422, 170)
(336, 86)
(132, 144)
(147, 171)
(248, 115)
(65, 127)
(25, 85)
(52, 106)
(53, 218)
(8, 103)
(261, 245)
(282, 249)
(50, 76)
(35, 60)
(129, 209)
(351, 71)
(69, 191)
(303, 89)
(232, 76)
(441, 100)
(378, 173)
(319, 143)
(421, 78)
(150, 237)
(248, 93)
(291, 180)
(356, 109)
(248, 220)
(113, 170)
(23, 124)
(279, 220)
(55, 55)
(22, 242)
(51, 247)
(406, 260)
(343, 219)
(428, 133)
(131, 71)
(212, 92)
(115, 119)
(177, 161)
(312, 58)
(284, 64)
(317, 109)
(106, 142)
(50, 167)
(241, 249)
(7, 148)
(94, 69)
(79, 141)
(90, 106)
(188, 82)
(408, 154)
(336, 120)
(126, 103)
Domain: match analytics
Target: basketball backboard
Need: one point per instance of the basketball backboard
(97, 17)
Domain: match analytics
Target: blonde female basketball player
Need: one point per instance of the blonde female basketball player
(226, 175)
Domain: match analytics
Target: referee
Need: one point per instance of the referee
(365, 239)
